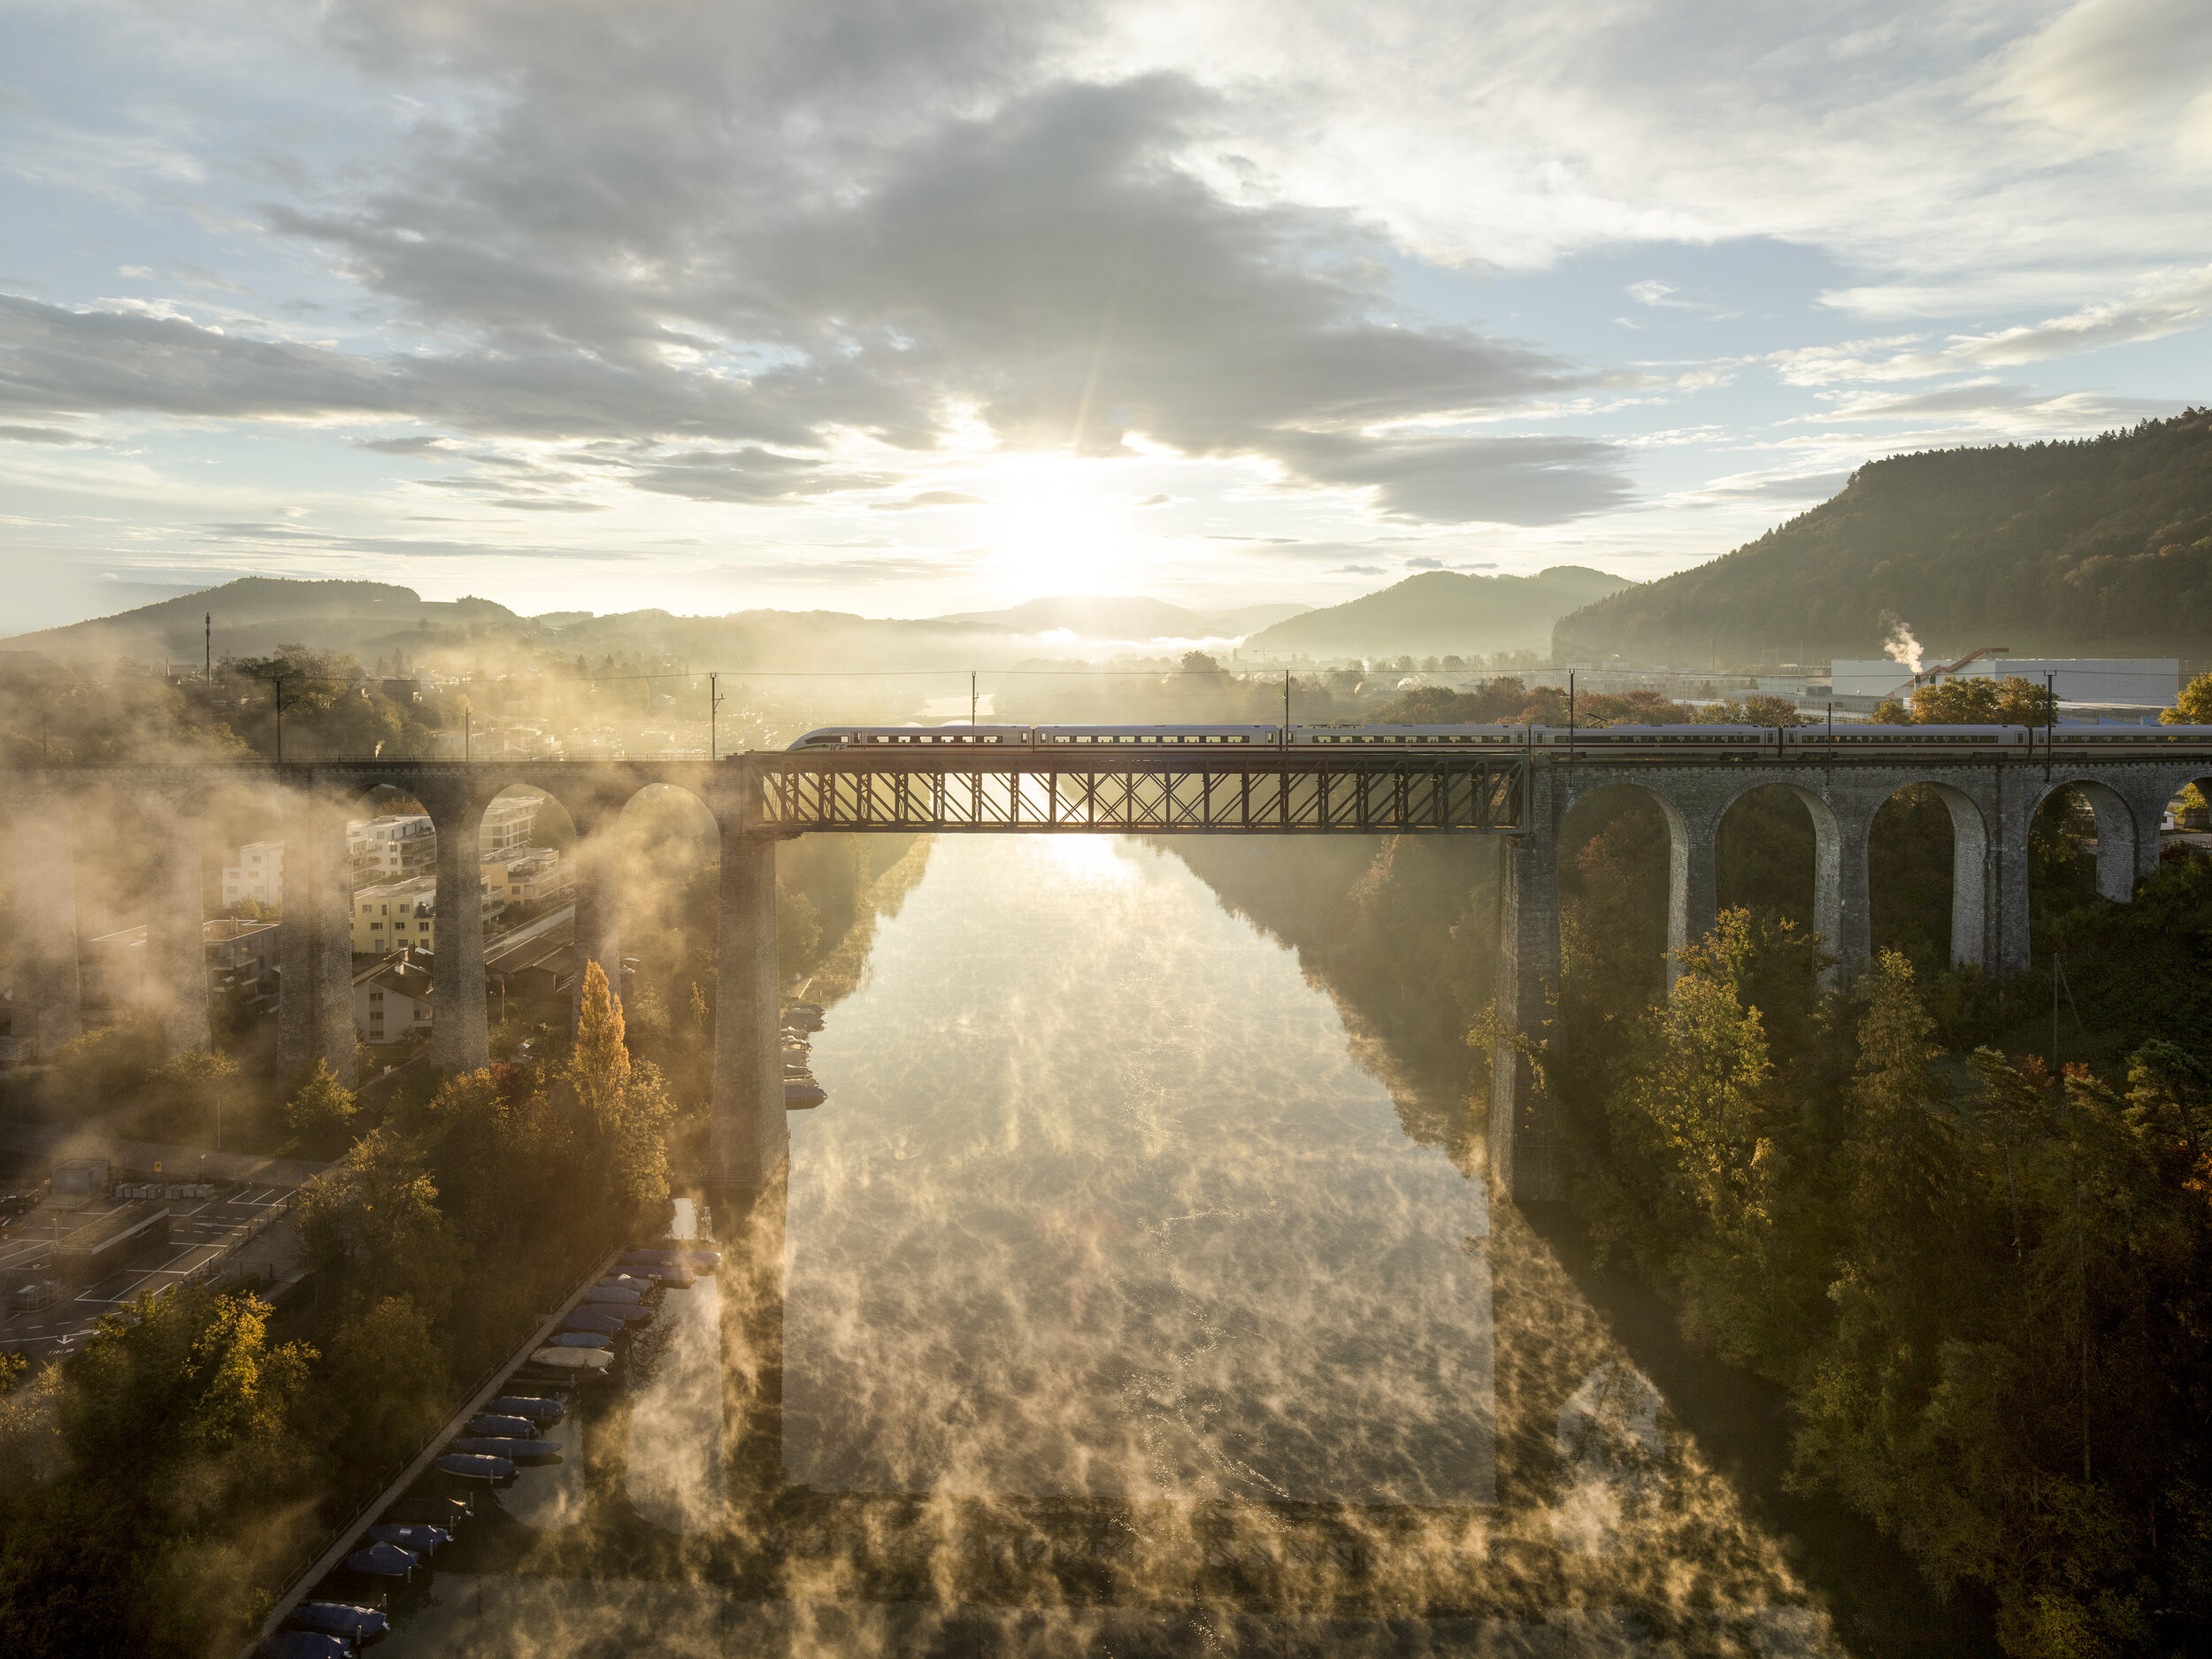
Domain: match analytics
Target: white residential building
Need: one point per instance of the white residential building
(393, 1001)
(257, 875)
(390, 847)
(509, 823)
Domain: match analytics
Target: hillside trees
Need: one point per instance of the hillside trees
(2099, 547)
(1984, 1287)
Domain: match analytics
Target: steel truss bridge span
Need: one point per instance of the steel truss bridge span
(1213, 791)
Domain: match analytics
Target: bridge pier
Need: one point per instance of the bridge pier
(460, 1030)
(1693, 877)
(1527, 1150)
(176, 953)
(749, 1141)
(315, 940)
(48, 989)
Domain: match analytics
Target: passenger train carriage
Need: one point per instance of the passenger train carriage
(1653, 741)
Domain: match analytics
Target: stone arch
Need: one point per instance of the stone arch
(632, 861)
(2117, 832)
(1971, 843)
(1681, 902)
(1838, 898)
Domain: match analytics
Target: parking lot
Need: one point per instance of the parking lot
(250, 1221)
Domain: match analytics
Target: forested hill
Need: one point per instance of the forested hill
(1441, 611)
(253, 615)
(2101, 547)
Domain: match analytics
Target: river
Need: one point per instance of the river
(1111, 1308)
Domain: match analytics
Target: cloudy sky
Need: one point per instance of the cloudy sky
(913, 306)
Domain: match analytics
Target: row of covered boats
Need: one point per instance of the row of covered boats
(516, 1430)
(801, 1092)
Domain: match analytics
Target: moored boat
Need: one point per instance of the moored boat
(381, 1559)
(537, 1408)
(466, 1466)
(422, 1541)
(572, 1358)
(354, 1626)
(499, 1445)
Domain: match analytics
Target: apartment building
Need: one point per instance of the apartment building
(257, 875)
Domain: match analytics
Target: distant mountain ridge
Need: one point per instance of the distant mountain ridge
(255, 614)
(2096, 548)
(1442, 612)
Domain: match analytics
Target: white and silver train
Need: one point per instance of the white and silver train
(2001, 741)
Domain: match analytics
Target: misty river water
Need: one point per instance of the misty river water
(1110, 1307)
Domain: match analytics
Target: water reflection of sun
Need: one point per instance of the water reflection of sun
(1084, 860)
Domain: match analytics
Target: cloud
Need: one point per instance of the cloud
(1766, 487)
(1041, 261)
(295, 541)
(930, 498)
(405, 446)
(1992, 405)
(1155, 501)
(1424, 565)
(749, 475)
(2166, 302)
(41, 434)
(2109, 70)
(1495, 480)
(1359, 570)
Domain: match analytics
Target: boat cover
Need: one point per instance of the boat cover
(381, 1559)
(424, 1541)
(584, 1319)
(613, 1292)
(336, 1618)
(493, 1423)
(531, 1406)
(489, 1446)
(579, 1339)
(697, 1261)
(572, 1358)
(473, 1468)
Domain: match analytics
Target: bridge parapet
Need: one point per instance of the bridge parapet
(1265, 792)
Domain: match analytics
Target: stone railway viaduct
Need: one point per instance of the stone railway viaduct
(757, 799)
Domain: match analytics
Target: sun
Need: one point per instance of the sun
(1052, 530)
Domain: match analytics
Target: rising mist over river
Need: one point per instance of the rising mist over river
(1117, 1304)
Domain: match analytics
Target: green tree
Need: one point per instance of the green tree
(388, 1382)
(2194, 707)
(625, 1109)
(193, 1079)
(372, 1224)
(1982, 700)
(323, 1106)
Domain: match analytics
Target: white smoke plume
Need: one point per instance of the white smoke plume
(1901, 648)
